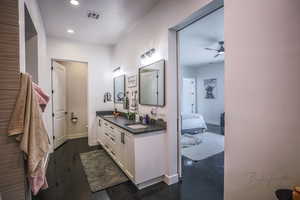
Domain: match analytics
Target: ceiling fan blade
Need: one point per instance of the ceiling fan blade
(217, 55)
(210, 49)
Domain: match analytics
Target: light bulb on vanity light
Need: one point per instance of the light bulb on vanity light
(70, 31)
(74, 2)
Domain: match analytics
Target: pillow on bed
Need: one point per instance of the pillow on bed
(191, 116)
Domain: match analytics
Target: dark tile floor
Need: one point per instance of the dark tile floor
(202, 180)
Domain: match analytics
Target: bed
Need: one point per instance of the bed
(193, 123)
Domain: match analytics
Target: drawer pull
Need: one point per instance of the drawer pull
(122, 138)
(112, 139)
(106, 146)
(105, 124)
(112, 128)
(113, 153)
(106, 134)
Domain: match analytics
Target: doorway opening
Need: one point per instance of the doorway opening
(31, 47)
(69, 100)
(201, 51)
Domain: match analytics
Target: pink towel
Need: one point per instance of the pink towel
(39, 181)
(27, 124)
(43, 98)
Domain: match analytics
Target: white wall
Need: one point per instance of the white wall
(99, 73)
(189, 72)
(262, 98)
(152, 32)
(43, 67)
(211, 109)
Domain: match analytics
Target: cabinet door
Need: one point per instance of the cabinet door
(100, 129)
(129, 155)
(122, 149)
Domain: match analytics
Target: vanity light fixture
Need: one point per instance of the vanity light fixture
(70, 31)
(117, 69)
(148, 53)
(74, 2)
(117, 72)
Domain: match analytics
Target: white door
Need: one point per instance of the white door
(59, 103)
(189, 95)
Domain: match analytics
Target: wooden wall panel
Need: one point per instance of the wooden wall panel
(12, 176)
(8, 13)
(9, 51)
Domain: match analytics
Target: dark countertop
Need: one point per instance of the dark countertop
(121, 122)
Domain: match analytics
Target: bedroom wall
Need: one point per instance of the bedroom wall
(100, 78)
(211, 109)
(189, 72)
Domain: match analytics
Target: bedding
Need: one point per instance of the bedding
(193, 121)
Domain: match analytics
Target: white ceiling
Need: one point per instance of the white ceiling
(116, 18)
(193, 40)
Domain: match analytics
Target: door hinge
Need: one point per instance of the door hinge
(53, 137)
(52, 91)
(52, 68)
(53, 115)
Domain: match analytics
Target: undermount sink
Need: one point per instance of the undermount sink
(136, 126)
(108, 116)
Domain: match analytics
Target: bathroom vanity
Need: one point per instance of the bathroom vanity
(136, 148)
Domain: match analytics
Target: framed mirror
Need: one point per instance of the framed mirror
(119, 89)
(152, 84)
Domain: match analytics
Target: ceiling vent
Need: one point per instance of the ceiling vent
(93, 14)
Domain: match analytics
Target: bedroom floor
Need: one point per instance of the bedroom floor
(208, 173)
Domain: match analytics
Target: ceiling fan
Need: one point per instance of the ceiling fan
(219, 51)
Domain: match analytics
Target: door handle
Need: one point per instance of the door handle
(112, 139)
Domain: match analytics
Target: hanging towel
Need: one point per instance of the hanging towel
(42, 97)
(27, 122)
(296, 193)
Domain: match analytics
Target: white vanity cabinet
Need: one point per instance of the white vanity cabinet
(140, 156)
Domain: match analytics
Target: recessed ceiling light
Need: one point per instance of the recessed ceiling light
(74, 2)
(71, 31)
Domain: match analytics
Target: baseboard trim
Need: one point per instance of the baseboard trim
(77, 135)
(169, 180)
(148, 183)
